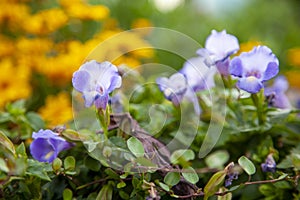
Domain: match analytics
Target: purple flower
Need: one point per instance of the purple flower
(199, 76)
(269, 165)
(176, 88)
(276, 93)
(47, 145)
(173, 88)
(218, 47)
(253, 68)
(95, 81)
(230, 177)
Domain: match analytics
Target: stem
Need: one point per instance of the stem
(200, 193)
(104, 119)
(259, 104)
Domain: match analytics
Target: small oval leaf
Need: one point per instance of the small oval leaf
(247, 165)
(172, 178)
(136, 147)
(69, 163)
(190, 175)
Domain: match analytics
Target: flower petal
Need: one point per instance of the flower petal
(221, 44)
(192, 97)
(81, 81)
(173, 88)
(102, 101)
(250, 84)
(42, 150)
(257, 60)
(271, 71)
(198, 75)
(89, 98)
(236, 68)
(116, 82)
(60, 145)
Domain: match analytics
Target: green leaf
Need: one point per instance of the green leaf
(67, 194)
(5, 142)
(190, 175)
(56, 164)
(71, 135)
(185, 154)
(16, 108)
(247, 165)
(69, 163)
(146, 162)
(164, 186)
(136, 147)
(227, 196)
(35, 120)
(172, 178)
(217, 159)
(92, 164)
(118, 141)
(214, 184)
(123, 194)
(121, 184)
(111, 173)
(286, 163)
(21, 151)
(105, 193)
(38, 169)
(107, 151)
(3, 166)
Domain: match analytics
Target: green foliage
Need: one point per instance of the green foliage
(123, 163)
(247, 165)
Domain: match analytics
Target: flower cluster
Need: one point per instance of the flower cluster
(251, 69)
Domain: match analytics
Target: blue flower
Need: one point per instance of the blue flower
(218, 47)
(276, 93)
(269, 165)
(95, 81)
(199, 76)
(253, 68)
(47, 145)
(176, 88)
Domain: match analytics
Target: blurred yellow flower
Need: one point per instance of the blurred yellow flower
(144, 25)
(248, 46)
(57, 109)
(294, 57)
(81, 10)
(45, 21)
(293, 78)
(7, 47)
(114, 44)
(14, 82)
(13, 14)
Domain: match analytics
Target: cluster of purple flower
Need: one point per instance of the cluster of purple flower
(252, 69)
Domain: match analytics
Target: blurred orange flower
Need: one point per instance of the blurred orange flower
(248, 46)
(14, 82)
(80, 10)
(57, 109)
(45, 21)
(294, 57)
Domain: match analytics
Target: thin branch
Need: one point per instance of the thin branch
(200, 193)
